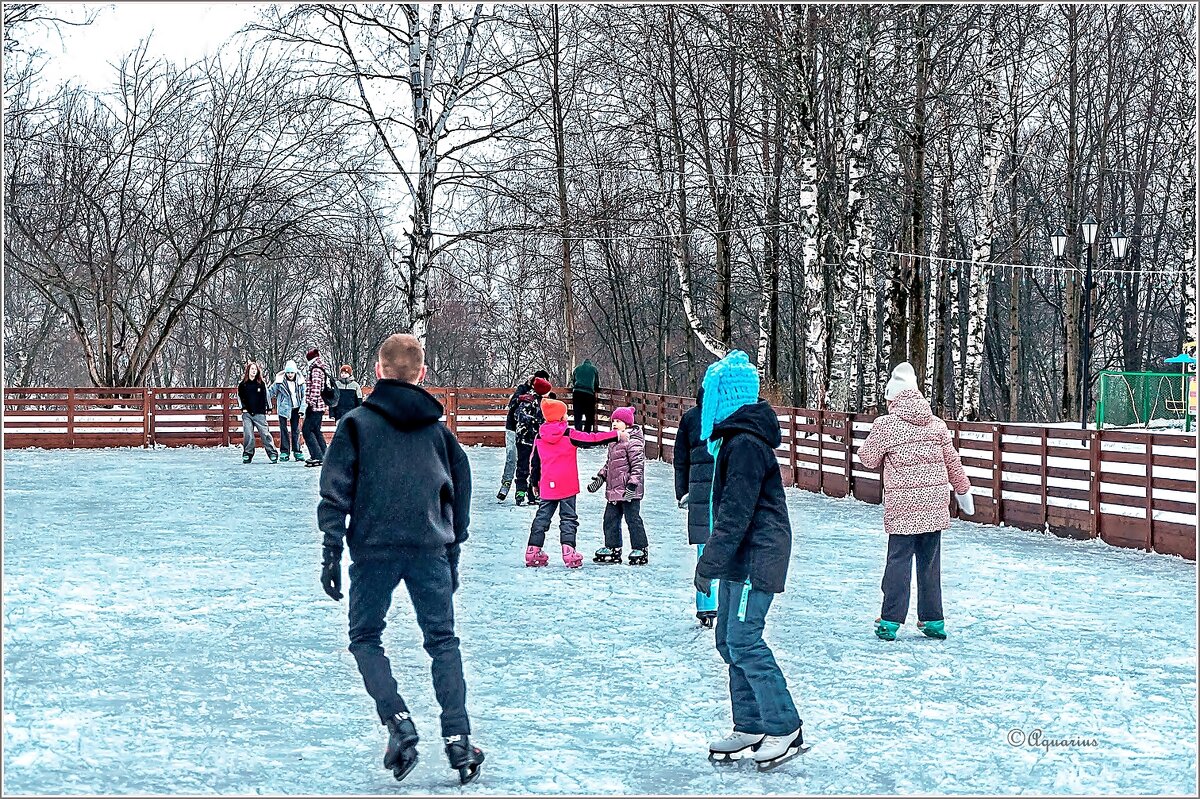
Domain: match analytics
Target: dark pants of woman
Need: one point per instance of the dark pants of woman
(313, 436)
(584, 407)
(294, 440)
(897, 576)
(632, 511)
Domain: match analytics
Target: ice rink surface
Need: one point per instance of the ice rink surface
(164, 632)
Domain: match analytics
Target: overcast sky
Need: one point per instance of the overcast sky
(184, 31)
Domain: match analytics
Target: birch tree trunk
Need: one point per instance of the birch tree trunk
(981, 248)
(849, 303)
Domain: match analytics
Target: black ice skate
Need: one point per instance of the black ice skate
(464, 757)
(247, 458)
(401, 754)
(638, 557)
(775, 750)
(520, 497)
(502, 494)
(707, 618)
(606, 555)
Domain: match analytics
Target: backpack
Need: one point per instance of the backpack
(528, 417)
(329, 392)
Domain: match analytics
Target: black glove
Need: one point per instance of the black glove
(331, 571)
(703, 584)
(594, 486)
(630, 492)
(452, 554)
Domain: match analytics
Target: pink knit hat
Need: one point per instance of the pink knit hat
(623, 415)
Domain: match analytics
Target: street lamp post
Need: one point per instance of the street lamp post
(1090, 229)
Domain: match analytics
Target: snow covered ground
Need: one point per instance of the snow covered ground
(164, 632)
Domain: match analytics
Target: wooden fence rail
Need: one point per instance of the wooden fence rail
(1130, 489)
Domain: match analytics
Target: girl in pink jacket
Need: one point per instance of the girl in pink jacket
(555, 471)
(920, 467)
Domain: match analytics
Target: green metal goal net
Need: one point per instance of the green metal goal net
(1142, 399)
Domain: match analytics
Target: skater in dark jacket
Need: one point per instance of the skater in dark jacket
(510, 433)
(748, 551)
(350, 394)
(404, 482)
(528, 415)
(693, 484)
(253, 399)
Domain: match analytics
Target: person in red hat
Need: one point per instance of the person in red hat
(510, 433)
(556, 473)
(528, 418)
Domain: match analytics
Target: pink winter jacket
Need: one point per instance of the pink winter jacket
(554, 467)
(920, 465)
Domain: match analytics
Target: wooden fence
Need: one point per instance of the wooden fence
(1131, 489)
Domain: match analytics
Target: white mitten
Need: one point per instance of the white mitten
(966, 503)
(683, 501)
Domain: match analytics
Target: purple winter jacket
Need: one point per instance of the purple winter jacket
(625, 467)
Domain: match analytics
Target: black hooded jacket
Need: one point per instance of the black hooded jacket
(752, 534)
(398, 473)
(693, 472)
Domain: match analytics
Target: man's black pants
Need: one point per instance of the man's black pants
(584, 411)
(426, 575)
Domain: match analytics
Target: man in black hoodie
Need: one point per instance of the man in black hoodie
(404, 483)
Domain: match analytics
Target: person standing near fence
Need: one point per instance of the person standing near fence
(920, 468)
(585, 383)
(287, 395)
(510, 433)
(314, 411)
(693, 486)
(350, 394)
(252, 397)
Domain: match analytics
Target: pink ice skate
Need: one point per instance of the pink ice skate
(534, 556)
(572, 558)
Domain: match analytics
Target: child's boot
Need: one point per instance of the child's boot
(285, 456)
(638, 557)
(502, 494)
(534, 556)
(606, 555)
(933, 629)
(247, 457)
(298, 456)
(521, 497)
(886, 630)
(570, 557)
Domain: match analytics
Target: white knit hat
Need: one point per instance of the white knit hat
(903, 379)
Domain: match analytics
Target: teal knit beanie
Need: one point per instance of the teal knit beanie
(729, 384)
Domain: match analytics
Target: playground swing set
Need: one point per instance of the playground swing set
(1150, 399)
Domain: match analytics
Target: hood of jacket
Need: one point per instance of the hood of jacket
(911, 407)
(553, 431)
(757, 418)
(406, 406)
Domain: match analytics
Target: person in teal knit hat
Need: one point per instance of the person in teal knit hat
(748, 548)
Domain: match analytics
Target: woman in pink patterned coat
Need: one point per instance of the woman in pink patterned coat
(920, 469)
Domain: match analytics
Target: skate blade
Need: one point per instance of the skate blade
(468, 774)
(792, 754)
(400, 772)
(729, 758)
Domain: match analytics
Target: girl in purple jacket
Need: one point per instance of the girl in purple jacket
(625, 474)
